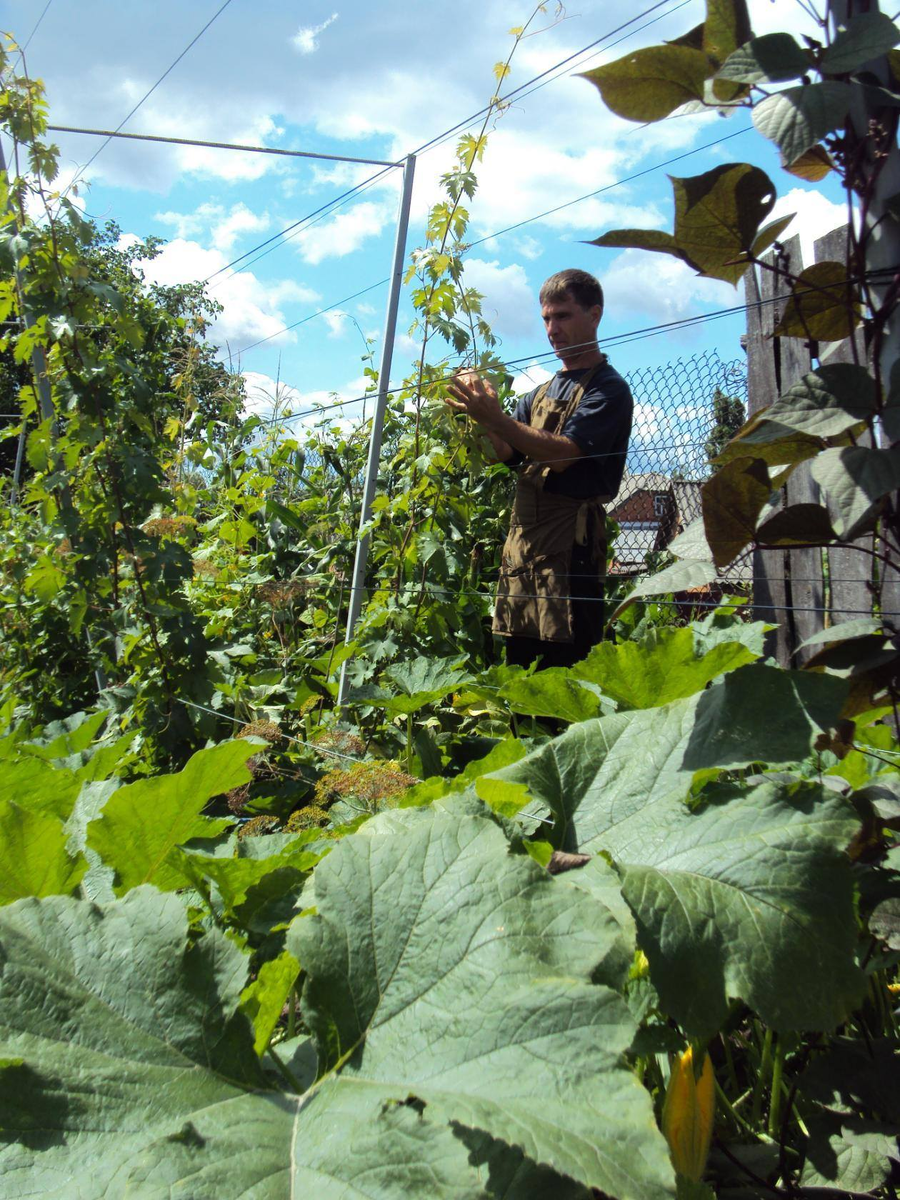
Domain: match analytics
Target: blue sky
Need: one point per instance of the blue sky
(377, 81)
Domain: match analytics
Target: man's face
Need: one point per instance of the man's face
(569, 326)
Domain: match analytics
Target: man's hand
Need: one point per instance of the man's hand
(476, 397)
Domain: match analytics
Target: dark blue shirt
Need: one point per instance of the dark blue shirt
(600, 426)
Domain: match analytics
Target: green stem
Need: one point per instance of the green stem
(737, 1118)
(285, 1073)
(756, 1111)
(775, 1102)
(292, 1011)
(409, 743)
(729, 1062)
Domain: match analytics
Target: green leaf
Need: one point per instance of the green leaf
(718, 214)
(681, 576)
(665, 666)
(433, 1019)
(38, 786)
(865, 36)
(796, 525)
(551, 693)
(799, 117)
(34, 860)
(648, 84)
(263, 999)
(772, 58)
(732, 501)
(423, 681)
(281, 870)
(748, 893)
(641, 239)
(855, 480)
(474, 1008)
(848, 1153)
(727, 25)
(812, 166)
(769, 234)
(144, 821)
(824, 403)
(823, 304)
(884, 922)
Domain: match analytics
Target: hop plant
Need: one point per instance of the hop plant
(687, 1117)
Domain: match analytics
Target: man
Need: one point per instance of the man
(569, 439)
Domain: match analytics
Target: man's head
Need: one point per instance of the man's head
(571, 308)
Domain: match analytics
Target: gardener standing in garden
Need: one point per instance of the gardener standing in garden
(568, 439)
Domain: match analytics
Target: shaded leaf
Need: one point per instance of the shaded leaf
(799, 117)
(865, 36)
(143, 822)
(772, 58)
(796, 525)
(848, 1153)
(648, 84)
(732, 501)
(855, 479)
(884, 922)
(823, 304)
(718, 214)
(727, 25)
(641, 239)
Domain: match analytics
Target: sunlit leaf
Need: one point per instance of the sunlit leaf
(824, 304)
(142, 822)
(799, 117)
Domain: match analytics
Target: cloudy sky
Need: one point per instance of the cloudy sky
(378, 81)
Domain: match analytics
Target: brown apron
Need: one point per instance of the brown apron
(534, 590)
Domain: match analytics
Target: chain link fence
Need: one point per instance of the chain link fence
(683, 410)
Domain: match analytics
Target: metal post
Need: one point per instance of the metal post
(384, 378)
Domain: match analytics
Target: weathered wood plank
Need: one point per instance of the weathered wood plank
(849, 571)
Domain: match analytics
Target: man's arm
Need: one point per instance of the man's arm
(477, 398)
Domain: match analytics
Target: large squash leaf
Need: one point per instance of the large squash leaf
(142, 823)
(749, 893)
(449, 986)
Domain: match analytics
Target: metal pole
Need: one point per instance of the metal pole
(384, 378)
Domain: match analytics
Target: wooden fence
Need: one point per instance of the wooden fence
(802, 590)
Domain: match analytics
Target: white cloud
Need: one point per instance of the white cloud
(657, 288)
(530, 377)
(271, 398)
(336, 320)
(306, 39)
(816, 215)
(223, 228)
(510, 302)
(342, 234)
(253, 309)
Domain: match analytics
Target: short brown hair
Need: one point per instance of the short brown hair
(583, 288)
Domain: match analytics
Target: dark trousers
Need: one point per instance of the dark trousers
(586, 586)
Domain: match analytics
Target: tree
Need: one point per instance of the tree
(729, 414)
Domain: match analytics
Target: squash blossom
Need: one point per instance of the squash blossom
(687, 1117)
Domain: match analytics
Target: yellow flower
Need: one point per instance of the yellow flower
(687, 1118)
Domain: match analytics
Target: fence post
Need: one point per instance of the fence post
(769, 566)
